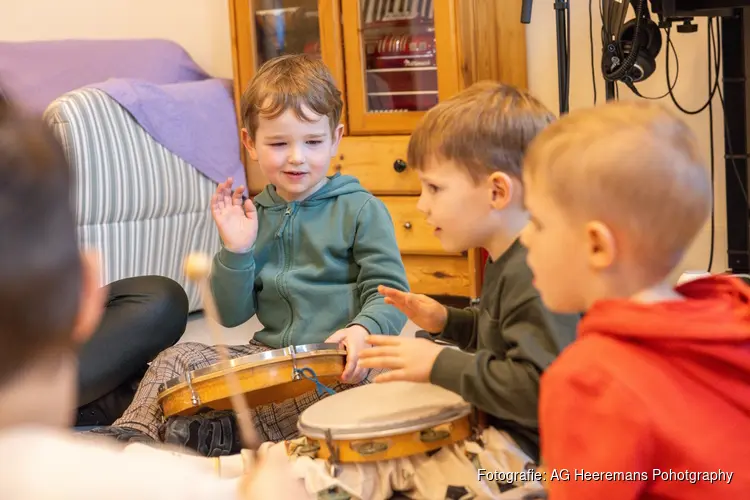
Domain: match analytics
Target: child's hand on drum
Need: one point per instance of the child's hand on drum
(236, 221)
(407, 359)
(426, 313)
(354, 340)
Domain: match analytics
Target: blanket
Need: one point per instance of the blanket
(195, 120)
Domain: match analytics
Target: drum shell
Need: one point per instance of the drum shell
(264, 378)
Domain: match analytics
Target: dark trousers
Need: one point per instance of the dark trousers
(143, 316)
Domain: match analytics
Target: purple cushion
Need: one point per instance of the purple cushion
(36, 73)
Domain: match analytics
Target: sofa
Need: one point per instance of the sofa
(148, 135)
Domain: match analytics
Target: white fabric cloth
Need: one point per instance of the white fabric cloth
(47, 464)
(424, 477)
(419, 477)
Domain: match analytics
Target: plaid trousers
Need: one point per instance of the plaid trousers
(273, 422)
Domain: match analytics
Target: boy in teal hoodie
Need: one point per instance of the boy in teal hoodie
(306, 255)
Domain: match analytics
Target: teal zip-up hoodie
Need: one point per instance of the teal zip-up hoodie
(315, 267)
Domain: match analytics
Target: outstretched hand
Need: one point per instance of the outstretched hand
(236, 221)
(426, 313)
(407, 359)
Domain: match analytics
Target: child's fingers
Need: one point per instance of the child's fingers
(237, 195)
(375, 352)
(391, 376)
(383, 340)
(249, 207)
(392, 293)
(383, 362)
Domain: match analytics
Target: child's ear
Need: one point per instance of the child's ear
(93, 298)
(249, 144)
(601, 246)
(501, 190)
(337, 135)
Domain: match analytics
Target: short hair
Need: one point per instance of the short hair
(485, 128)
(634, 166)
(291, 82)
(40, 262)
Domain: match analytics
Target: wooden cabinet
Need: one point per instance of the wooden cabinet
(393, 61)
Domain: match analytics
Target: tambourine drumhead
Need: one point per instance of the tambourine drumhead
(261, 358)
(381, 409)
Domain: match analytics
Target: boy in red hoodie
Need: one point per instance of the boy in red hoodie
(653, 398)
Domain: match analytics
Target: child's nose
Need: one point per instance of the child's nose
(296, 156)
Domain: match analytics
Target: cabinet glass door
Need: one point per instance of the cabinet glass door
(399, 47)
(396, 64)
(285, 27)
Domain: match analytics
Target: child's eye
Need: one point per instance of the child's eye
(315, 142)
(277, 144)
(431, 188)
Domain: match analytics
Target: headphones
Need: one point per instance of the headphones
(631, 56)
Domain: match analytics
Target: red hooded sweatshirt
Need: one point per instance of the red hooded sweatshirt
(652, 401)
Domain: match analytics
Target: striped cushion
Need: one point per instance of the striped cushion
(143, 208)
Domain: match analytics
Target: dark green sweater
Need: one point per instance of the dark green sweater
(512, 338)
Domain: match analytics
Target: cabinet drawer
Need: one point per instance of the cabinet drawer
(413, 234)
(375, 162)
(433, 275)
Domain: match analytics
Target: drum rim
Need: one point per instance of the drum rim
(284, 352)
(359, 431)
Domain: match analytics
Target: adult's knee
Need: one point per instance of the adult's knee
(161, 306)
(169, 306)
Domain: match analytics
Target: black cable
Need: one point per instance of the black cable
(635, 90)
(670, 87)
(591, 39)
(567, 76)
(629, 61)
(711, 140)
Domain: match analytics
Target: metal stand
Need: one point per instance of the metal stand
(563, 57)
(563, 62)
(736, 66)
(610, 90)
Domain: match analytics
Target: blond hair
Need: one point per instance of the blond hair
(291, 82)
(484, 129)
(634, 166)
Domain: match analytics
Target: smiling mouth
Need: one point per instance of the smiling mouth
(296, 174)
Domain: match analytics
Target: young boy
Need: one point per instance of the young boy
(468, 152)
(50, 303)
(306, 255)
(654, 395)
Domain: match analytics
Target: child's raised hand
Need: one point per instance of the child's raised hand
(407, 359)
(426, 313)
(237, 222)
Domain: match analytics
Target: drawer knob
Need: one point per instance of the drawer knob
(399, 165)
(407, 225)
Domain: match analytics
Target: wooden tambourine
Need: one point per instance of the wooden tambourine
(266, 377)
(384, 421)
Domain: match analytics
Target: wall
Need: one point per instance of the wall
(202, 27)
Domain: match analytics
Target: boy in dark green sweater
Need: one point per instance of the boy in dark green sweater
(306, 256)
(468, 152)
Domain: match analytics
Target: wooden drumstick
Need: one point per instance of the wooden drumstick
(198, 268)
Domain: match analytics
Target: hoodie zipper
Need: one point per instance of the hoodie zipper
(281, 277)
(282, 226)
